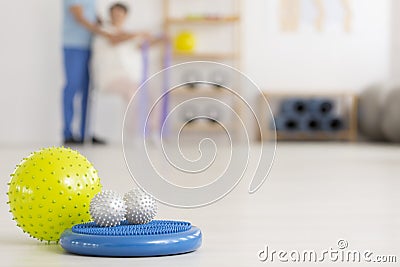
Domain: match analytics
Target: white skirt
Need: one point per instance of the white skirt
(114, 63)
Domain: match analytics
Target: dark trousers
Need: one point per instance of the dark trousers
(76, 64)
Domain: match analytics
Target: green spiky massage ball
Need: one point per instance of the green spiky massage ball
(51, 191)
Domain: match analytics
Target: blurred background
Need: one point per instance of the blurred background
(287, 47)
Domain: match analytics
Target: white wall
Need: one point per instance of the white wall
(31, 74)
(395, 44)
(310, 60)
(31, 66)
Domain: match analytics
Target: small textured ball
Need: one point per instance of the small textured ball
(50, 191)
(108, 209)
(141, 207)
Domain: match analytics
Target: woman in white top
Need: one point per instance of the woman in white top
(117, 67)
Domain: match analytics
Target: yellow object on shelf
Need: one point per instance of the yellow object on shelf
(185, 42)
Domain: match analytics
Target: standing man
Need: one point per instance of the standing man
(79, 25)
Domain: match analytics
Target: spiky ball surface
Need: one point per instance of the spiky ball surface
(141, 207)
(108, 209)
(51, 190)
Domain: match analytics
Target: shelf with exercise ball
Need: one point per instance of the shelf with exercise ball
(204, 31)
(179, 55)
(202, 107)
(191, 25)
(203, 19)
(311, 116)
(200, 90)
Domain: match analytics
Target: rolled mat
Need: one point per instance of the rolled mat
(287, 123)
(321, 106)
(310, 123)
(295, 106)
(332, 124)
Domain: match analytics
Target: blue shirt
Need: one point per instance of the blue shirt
(74, 34)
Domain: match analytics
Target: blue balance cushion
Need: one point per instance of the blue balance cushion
(156, 238)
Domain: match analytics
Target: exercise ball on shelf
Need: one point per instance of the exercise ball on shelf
(370, 112)
(185, 42)
(191, 78)
(188, 114)
(391, 116)
(213, 114)
(219, 79)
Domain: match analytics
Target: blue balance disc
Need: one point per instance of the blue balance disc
(156, 238)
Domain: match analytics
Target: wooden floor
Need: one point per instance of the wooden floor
(316, 194)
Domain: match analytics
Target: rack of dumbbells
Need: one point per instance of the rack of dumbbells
(312, 116)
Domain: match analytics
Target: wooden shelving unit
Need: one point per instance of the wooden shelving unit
(202, 126)
(188, 92)
(189, 21)
(204, 56)
(348, 109)
(202, 93)
(231, 56)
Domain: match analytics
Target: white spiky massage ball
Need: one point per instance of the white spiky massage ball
(141, 208)
(107, 209)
